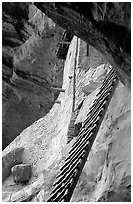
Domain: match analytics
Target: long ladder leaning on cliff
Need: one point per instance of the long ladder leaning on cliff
(69, 174)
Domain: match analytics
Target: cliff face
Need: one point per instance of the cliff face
(104, 25)
(30, 67)
(106, 175)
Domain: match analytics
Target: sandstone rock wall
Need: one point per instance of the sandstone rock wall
(29, 70)
(106, 174)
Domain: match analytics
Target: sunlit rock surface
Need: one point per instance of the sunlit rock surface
(30, 68)
(108, 168)
(106, 175)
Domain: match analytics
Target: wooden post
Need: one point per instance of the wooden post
(57, 89)
(66, 42)
(87, 52)
(74, 75)
(58, 101)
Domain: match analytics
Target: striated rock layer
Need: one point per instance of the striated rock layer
(106, 175)
(30, 67)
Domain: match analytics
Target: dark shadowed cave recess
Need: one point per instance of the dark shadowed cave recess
(28, 71)
(106, 26)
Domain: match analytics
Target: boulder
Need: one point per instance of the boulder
(89, 88)
(10, 159)
(21, 173)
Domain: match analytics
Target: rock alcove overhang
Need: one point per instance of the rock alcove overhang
(110, 35)
(28, 71)
(36, 132)
(117, 95)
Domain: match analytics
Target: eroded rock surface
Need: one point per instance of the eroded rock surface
(30, 67)
(104, 25)
(107, 171)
